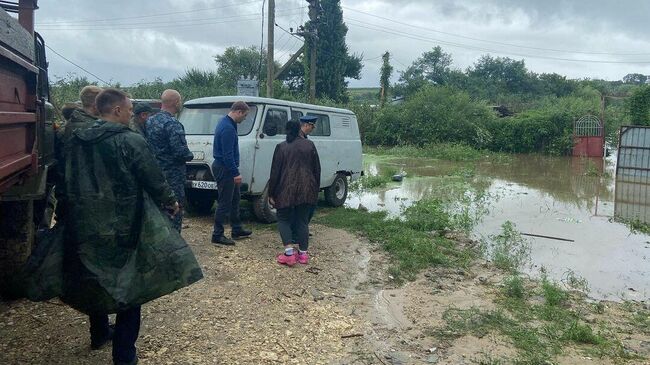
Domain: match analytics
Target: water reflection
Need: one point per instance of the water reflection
(570, 198)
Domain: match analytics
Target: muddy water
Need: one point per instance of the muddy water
(559, 197)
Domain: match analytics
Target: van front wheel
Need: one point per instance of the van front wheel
(336, 194)
(263, 209)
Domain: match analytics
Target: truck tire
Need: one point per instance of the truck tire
(200, 203)
(336, 194)
(16, 237)
(262, 208)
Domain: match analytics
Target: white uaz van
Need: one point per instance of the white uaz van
(336, 137)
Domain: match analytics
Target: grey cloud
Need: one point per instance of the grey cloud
(572, 25)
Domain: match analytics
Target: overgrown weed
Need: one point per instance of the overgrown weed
(508, 250)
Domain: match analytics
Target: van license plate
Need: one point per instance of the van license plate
(209, 185)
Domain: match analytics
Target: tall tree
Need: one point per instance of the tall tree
(384, 79)
(635, 78)
(237, 62)
(639, 106)
(501, 75)
(433, 67)
(333, 62)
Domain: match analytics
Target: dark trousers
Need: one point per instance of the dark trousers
(127, 329)
(294, 239)
(227, 202)
(293, 224)
(178, 186)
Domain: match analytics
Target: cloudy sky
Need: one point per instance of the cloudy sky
(129, 41)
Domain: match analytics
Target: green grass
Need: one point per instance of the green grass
(441, 151)
(635, 225)
(539, 331)
(514, 287)
(409, 242)
(373, 181)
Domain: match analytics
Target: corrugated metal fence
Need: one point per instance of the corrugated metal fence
(632, 199)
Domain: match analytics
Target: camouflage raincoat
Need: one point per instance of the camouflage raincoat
(120, 250)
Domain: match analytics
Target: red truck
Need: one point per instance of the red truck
(26, 134)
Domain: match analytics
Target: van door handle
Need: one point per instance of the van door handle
(262, 135)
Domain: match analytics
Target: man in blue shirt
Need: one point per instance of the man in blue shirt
(166, 137)
(225, 169)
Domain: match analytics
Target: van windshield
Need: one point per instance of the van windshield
(203, 119)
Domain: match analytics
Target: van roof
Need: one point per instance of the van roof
(258, 100)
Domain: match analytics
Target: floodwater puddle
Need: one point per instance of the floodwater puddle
(564, 205)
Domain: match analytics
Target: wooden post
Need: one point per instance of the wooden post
(313, 31)
(270, 63)
(312, 74)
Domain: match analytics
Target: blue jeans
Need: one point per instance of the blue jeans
(127, 329)
(227, 202)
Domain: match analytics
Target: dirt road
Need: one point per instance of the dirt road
(339, 309)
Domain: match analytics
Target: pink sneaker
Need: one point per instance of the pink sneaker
(303, 258)
(286, 260)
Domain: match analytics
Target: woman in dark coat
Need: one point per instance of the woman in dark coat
(293, 189)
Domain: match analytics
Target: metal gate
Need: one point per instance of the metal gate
(588, 137)
(632, 197)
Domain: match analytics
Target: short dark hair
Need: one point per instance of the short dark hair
(239, 106)
(108, 99)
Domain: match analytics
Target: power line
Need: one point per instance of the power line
(166, 22)
(295, 41)
(495, 42)
(287, 11)
(81, 68)
(152, 15)
(145, 26)
(483, 49)
(188, 23)
(398, 61)
(372, 59)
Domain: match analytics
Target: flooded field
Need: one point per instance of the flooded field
(563, 205)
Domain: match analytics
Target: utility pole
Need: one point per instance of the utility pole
(314, 12)
(270, 63)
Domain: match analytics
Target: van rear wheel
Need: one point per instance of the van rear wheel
(336, 194)
(262, 208)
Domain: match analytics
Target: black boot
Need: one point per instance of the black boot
(242, 233)
(98, 343)
(223, 240)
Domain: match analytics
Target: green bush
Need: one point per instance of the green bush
(427, 215)
(432, 115)
(547, 129)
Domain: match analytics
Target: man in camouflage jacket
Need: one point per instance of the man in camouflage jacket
(84, 117)
(166, 137)
(120, 251)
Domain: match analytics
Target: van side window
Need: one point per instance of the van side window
(295, 115)
(322, 125)
(275, 122)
